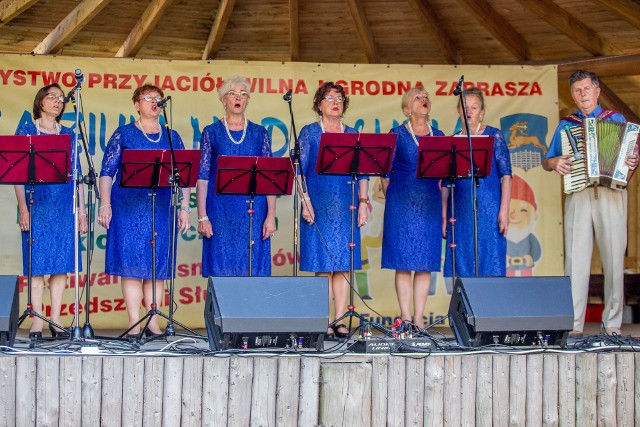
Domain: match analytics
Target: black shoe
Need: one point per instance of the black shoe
(55, 333)
(35, 335)
(152, 335)
(340, 335)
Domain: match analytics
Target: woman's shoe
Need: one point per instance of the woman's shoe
(35, 335)
(340, 335)
(55, 333)
(152, 335)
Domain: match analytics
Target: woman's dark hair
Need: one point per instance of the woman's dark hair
(147, 87)
(40, 96)
(323, 91)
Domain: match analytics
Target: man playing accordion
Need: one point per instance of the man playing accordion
(595, 210)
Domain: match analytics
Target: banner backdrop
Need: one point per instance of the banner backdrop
(522, 101)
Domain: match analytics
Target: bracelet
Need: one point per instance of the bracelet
(203, 218)
(105, 206)
(187, 209)
(364, 200)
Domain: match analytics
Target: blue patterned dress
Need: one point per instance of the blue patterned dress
(412, 237)
(324, 244)
(492, 246)
(225, 253)
(52, 223)
(128, 252)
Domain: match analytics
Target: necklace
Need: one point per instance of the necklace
(147, 136)
(244, 131)
(56, 125)
(476, 131)
(322, 126)
(413, 135)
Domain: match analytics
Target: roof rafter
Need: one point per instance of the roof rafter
(218, 28)
(625, 9)
(613, 102)
(364, 32)
(499, 27)
(70, 26)
(431, 24)
(9, 9)
(145, 25)
(604, 66)
(294, 36)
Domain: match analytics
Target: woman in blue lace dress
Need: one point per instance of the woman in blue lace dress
(493, 196)
(52, 222)
(412, 240)
(223, 219)
(126, 212)
(325, 229)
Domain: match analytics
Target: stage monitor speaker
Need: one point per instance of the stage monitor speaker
(511, 311)
(263, 312)
(8, 309)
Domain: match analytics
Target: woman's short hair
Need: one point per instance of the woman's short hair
(225, 87)
(410, 94)
(323, 91)
(473, 91)
(40, 96)
(147, 87)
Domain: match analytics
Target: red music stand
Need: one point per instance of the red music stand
(254, 176)
(449, 157)
(34, 160)
(355, 154)
(155, 169)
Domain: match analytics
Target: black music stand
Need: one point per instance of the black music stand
(155, 169)
(449, 157)
(355, 154)
(254, 176)
(34, 160)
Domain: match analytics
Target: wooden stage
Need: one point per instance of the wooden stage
(185, 385)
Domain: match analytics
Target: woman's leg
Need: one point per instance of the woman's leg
(148, 298)
(421, 283)
(37, 289)
(340, 286)
(403, 291)
(57, 284)
(132, 292)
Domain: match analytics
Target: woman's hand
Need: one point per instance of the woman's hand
(503, 221)
(308, 213)
(104, 215)
(83, 223)
(23, 221)
(205, 229)
(184, 221)
(269, 227)
(363, 213)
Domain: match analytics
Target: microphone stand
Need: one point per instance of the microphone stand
(295, 155)
(76, 333)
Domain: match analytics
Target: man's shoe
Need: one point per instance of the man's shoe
(614, 331)
(576, 334)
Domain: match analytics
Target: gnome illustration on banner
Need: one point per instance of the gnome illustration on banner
(523, 247)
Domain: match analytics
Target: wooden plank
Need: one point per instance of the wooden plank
(414, 392)
(145, 25)
(309, 391)
(287, 391)
(625, 390)
(607, 386)
(364, 32)
(9, 9)
(610, 100)
(396, 379)
(263, 393)
(501, 390)
(435, 28)
(625, 9)
(434, 391)
(379, 396)
(550, 391)
(48, 390)
(451, 392)
(71, 391)
(240, 379)
(533, 396)
(8, 386)
(294, 34)
(345, 394)
(70, 26)
(637, 383)
(218, 28)
(468, 386)
(172, 391)
(192, 376)
(517, 390)
(153, 393)
(133, 386)
(91, 389)
(603, 66)
(215, 391)
(112, 379)
(25, 391)
(586, 389)
(484, 391)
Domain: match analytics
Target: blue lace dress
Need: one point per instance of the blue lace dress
(128, 252)
(225, 253)
(324, 244)
(52, 223)
(412, 237)
(492, 246)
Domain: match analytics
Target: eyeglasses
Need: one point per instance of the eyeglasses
(338, 99)
(54, 97)
(150, 98)
(421, 98)
(241, 94)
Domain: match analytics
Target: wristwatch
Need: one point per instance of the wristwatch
(187, 209)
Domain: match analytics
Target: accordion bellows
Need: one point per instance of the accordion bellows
(605, 146)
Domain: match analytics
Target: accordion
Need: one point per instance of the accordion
(599, 150)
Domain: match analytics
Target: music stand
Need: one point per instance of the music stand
(355, 154)
(155, 169)
(449, 157)
(254, 176)
(34, 160)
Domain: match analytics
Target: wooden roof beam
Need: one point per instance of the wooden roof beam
(625, 9)
(70, 26)
(573, 28)
(294, 35)
(218, 28)
(145, 25)
(499, 27)
(433, 26)
(612, 102)
(364, 32)
(603, 66)
(9, 9)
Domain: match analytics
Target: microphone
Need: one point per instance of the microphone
(574, 144)
(458, 90)
(79, 76)
(69, 96)
(287, 96)
(163, 102)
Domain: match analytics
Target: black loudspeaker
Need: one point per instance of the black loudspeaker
(8, 309)
(511, 311)
(263, 312)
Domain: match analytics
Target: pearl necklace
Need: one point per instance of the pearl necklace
(474, 133)
(413, 135)
(244, 131)
(147, 136)
(322, 126)
(56, 124)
